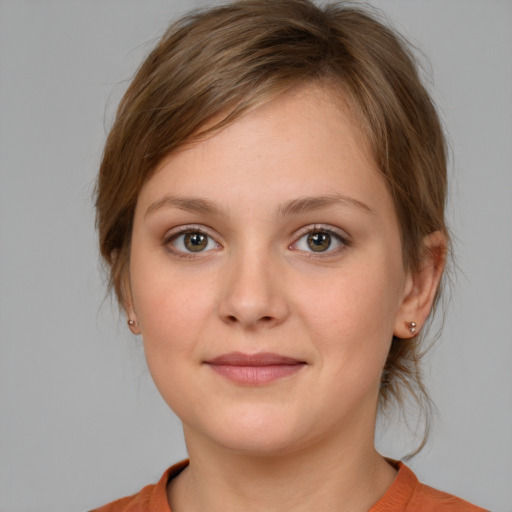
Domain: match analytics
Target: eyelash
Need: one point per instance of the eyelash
(181, 231)
(335, 234)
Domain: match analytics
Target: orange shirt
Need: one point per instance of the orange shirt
(406, 494)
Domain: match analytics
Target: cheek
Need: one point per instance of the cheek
(352, 318)
(169, 309)
(170, 312)
(362, 302)
(162, 301)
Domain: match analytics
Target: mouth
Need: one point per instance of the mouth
(255, 369)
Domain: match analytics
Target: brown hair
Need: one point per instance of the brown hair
(216, 64)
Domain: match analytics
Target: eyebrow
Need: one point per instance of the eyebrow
(189, 204)
(293, 207)
(307, 204)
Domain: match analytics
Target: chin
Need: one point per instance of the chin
(267, 432)
(258, 444)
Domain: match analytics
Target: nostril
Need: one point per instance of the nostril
(264, 319)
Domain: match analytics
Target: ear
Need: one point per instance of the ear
(131, 316)
(126, 299)
(421, 286)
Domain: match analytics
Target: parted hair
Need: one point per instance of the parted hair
(212, 66)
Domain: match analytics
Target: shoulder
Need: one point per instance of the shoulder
(127, 504)
(152, 498)
(408, 494)
(426, 499)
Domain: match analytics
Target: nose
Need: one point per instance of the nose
(253, 293)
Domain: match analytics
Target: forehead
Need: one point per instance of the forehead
(304, 141)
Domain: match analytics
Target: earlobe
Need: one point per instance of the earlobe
(421, 288)
(133, 326)
(132, 321)
(126, 300)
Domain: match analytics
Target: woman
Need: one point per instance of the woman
(271, 207)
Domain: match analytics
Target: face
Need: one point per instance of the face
(267, 279)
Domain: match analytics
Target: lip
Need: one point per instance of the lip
(255, 369)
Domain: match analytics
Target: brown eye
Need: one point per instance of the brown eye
(195, 242)
(319, 242)
(191, 242)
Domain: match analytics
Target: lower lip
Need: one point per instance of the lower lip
(256, 375)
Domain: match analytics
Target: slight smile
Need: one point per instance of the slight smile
(255, 369)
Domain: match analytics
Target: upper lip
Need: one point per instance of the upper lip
(261, 359)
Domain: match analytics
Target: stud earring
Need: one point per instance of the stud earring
(132, 324)
(411, 326)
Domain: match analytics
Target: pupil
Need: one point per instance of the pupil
(319, 242)
(195, 242)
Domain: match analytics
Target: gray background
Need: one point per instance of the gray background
(80, 421)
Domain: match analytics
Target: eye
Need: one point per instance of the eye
(191, 241)
(320, 240)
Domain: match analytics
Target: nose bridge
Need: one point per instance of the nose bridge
(252, 294)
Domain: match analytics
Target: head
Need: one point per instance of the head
(213, 67)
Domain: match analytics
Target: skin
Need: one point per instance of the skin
(259, 287)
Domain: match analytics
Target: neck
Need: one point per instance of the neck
(319, 477)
